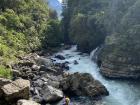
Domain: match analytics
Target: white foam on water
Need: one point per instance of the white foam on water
(121, 92)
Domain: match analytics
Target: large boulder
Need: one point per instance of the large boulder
(83, 84)
(18, 89)
(51, 94)
(26, 102)
(44, 61)
(3, 82)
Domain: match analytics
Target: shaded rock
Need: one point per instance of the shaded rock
(16, 90)
(38, 83)
(3, 82)
(83, 84)
(61, 57)
(51, 94)
(47, 69)
(76, 62)
(62, 65)
(26, 63)
(27, 102)
(16, 73)
(37, 98)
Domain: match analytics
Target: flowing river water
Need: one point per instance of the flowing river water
(122, 92)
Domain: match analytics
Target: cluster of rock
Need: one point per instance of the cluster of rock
(14, 91)
(46, 82)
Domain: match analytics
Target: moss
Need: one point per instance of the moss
(5, 72)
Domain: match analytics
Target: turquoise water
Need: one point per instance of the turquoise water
(121, 92)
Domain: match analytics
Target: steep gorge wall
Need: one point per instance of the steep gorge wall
(121, 55)
(114, 23)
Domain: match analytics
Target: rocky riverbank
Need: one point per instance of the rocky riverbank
(42, 81)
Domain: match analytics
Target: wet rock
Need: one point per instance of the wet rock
(67, 47)
(27, 102)
(17, 89)
(76, 62)
(51, 94)
(83, 84)
(61, 57)
(62, 65)
(65, 66)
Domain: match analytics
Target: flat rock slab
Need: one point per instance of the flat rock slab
(27, 102)
(18, 89)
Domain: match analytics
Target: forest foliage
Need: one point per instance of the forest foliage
(83, 22)
(25, 26)
(88, 22)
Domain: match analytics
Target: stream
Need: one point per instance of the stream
(122, 92)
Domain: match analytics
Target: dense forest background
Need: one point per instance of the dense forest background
(26, 26)
(87, 22)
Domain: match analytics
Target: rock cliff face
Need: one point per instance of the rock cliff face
(120, 56)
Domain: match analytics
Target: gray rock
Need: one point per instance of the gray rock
(16, 90)
(37, 98)
(3, 82)
(27, 102)
(47, 69)
(61, 57)
(83, 84)
(51, 94)
(35, 68)
(16, 73)
(26, 63)
(44, 61)
(76, 62)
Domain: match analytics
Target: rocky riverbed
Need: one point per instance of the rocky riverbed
(40, 80)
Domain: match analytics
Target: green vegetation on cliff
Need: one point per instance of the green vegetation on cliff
(88, 22)
(83, 22)
(25, 25)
